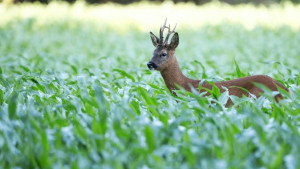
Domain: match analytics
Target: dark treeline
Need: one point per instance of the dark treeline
(198, 2)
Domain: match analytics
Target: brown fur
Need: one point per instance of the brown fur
(172, 75)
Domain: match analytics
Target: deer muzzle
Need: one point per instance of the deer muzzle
(151, 65)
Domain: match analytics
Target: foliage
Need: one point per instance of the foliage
(75, 92)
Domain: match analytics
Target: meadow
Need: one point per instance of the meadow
(75, 91)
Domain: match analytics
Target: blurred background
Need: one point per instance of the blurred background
(175, 1)
(261, 35)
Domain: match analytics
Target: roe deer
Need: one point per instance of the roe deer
(164, 60)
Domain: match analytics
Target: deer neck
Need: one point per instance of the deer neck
(172, 75)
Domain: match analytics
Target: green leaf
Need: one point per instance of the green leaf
(1, 97)
(150, 101)
(266, 91)
(25, 68)
(44, 156)
(123, 73)
(135, 106)
(283, 91)
(41, 88)
(100, 98)
(278, 163)
(74, 68)
(150, 138)
(224, 98)
(204, 75)
(237, 69)
(99, 127)
(13, 105)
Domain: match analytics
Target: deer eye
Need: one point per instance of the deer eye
(163, 55)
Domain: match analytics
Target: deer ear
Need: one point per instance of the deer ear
(174, 41)
(154, 39)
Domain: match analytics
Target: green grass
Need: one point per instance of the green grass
(75, 91)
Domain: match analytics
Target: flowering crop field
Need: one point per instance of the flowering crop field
(75, 91)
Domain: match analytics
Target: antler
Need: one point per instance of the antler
(169, 33)
(161, 32)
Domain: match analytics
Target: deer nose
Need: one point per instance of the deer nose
(151, 65)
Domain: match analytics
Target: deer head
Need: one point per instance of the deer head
(163, 54)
